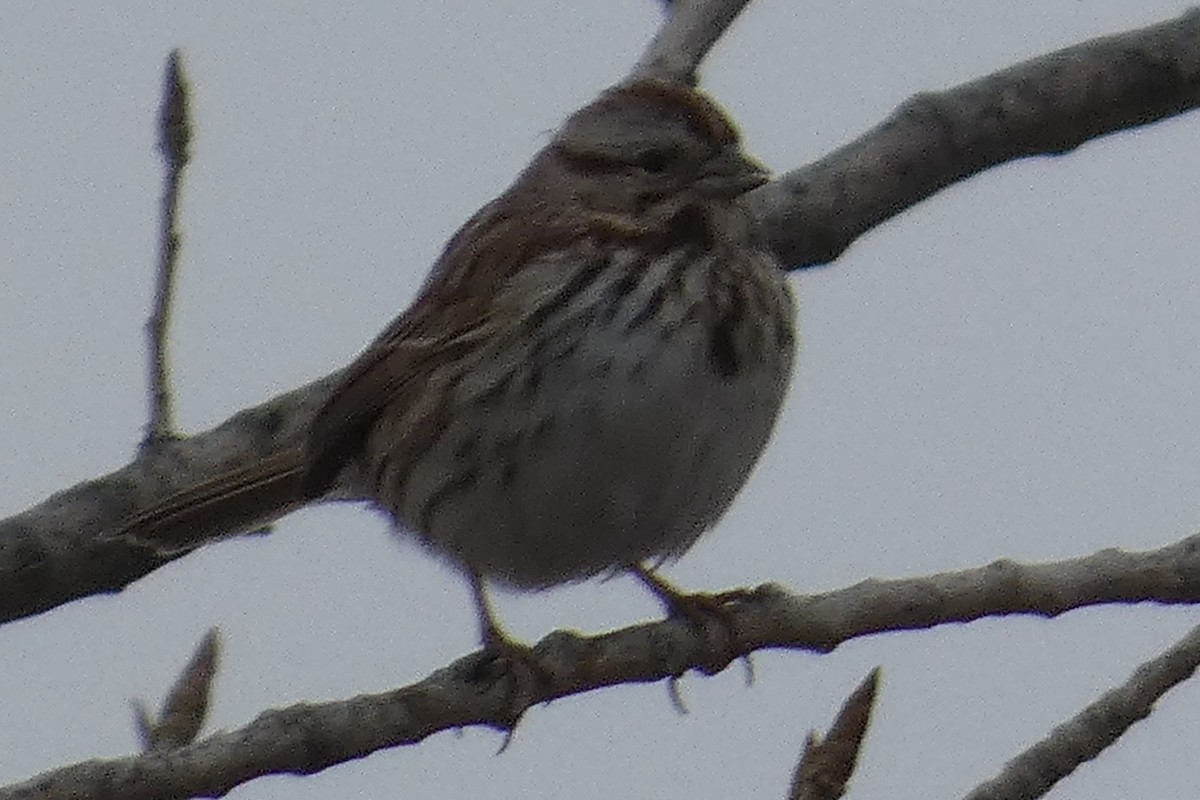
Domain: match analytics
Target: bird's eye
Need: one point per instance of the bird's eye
(656, 160)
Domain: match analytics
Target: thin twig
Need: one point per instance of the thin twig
(174, 134)
(826, 765)
(1033, 773)
(186, 706)
(691, 30)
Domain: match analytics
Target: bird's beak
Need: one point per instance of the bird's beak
(731, 174)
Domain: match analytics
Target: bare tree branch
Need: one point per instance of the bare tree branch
(475, 690)
(826, 765)
(1046, 106)
(186, 706)
(1082, 738)
(174, 135)
(51, 554)
(691, 30)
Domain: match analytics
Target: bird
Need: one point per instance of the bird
(584, 381)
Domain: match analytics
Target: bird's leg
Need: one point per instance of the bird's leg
(491, 634)
(707, 613)
(519, 672)
(685, 604)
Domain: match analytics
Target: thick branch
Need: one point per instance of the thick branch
(1046, 106)
(52, 553)
(475, 691)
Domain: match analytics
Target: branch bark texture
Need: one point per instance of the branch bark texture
(51, 553)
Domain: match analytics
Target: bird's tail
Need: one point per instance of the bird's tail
(229, 504)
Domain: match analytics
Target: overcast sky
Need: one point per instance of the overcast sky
(1008, 369)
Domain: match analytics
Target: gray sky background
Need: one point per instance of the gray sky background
(1007, 370)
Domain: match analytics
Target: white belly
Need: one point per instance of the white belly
(606, 444)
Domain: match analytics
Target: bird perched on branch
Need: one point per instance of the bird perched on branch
(584, 382)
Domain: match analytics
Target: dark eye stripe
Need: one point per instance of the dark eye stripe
(591, 162)
(655, 160)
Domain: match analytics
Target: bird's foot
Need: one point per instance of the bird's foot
(707, 613)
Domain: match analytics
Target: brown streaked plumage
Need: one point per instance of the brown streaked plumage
(586, 378)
